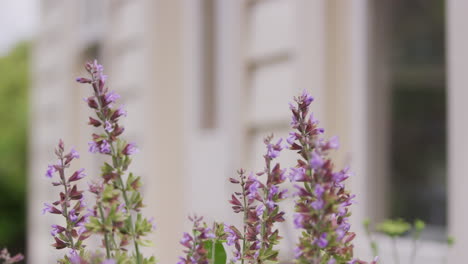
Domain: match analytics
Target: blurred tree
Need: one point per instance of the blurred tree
(14, 83)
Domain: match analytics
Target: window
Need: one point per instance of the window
(417, 157)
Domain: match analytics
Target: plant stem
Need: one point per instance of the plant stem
(106, 237)
(65, 206)
(127, 203)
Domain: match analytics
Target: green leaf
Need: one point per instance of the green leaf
(219, 253)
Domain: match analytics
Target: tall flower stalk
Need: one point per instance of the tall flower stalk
(322, 201)
(118, 215)
(195, 243)
(70, 204)
(258, 201)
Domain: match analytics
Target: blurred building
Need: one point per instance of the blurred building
(204, 81)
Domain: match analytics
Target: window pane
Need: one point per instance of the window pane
(418, 129)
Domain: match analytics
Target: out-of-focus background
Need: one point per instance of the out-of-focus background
(205, 80)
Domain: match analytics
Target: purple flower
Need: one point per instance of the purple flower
(121, 208)
(130, 149)
(232, 236)
(342, 230)
(297, 252)
(291, 138)
(294, 121)
(50, 171)
(105, 147)
(75, 259)
(259, 211)
(253, 189)
(186, 238)
(273, 150)
(340, 176)
(299, 220)
(207, 234)
(119, 112)
(50, 209)
(316, 162)
(322, 241)
(108, 126)
(82, 230)
(318, 204)
(333, 143)
(97, 67)
(93, 147)
(319, 190)
(152, 222)
(297, 174)
(111, 97)
(306, 98)
(78, 175)
(74, 154)
(274, 189)
(73, 215)
(56, 229)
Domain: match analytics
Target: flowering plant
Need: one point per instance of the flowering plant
(116, 215)
(322, 201)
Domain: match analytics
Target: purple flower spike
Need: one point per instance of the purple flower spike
(50, 171)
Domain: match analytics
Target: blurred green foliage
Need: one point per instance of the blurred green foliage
(14, 83)
(394, 228)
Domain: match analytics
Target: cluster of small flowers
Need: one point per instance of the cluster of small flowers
(196, 253)
(74, 232)
(261, 210)
(115, 198)
(244, 201)
(321, 200)
(101, 102)
(117, 201)
(7, 259)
